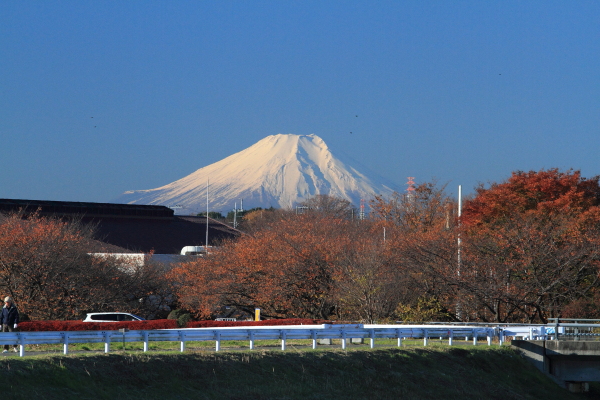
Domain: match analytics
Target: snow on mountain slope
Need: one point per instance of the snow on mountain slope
(279, 171)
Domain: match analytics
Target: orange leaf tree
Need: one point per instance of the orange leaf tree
(422, 235)
(531, 245)
(285, 269)
(46, 268)
(318, 262)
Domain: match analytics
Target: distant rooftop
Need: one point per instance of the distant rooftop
(90, 210)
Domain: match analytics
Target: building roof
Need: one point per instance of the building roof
(131, 227)
(73, 208)
(163, 236)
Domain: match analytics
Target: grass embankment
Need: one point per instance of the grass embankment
(387, 373)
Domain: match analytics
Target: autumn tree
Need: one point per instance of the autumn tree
(543, 192)
(316, 264)
(257, 219)
(330, 205)
(369, 281)
(531, 244)
(428, 207)
(285, 269)
(528, 246)
(530, 266)
(422, 234)
(46, 268)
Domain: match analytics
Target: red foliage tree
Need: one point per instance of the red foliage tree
(530, 266)
(46, 268)
(531, 245)
(315, 264)
(546, 191)
(284, 269)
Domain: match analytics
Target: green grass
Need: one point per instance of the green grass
(235, 344)
(414, 372)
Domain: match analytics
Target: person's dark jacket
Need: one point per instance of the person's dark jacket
(10, 315)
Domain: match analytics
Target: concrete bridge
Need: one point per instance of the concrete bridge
(572, 364)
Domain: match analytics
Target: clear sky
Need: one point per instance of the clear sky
(100, 97)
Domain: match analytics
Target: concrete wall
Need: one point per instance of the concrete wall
(568, 362)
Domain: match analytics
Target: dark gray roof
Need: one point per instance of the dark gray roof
(132, 227)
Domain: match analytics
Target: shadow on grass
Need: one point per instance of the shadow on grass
(418, 373)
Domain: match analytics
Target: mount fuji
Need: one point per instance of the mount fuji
(279, 171)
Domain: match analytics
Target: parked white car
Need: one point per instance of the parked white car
(111, 317)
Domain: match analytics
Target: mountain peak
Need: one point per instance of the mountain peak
(279, 170)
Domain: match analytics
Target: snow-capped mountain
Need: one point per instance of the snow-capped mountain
(279, 171)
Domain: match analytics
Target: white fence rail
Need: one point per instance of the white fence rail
(312, 332)
(252, 334)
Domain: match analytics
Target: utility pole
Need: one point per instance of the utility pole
(459, 312)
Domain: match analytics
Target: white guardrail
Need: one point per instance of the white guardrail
(283, 333)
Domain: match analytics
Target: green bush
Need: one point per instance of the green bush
(183, 320)
(176, 313)
(182, 317)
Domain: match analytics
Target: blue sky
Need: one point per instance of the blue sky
(461, 91)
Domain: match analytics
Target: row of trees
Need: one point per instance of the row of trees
(526, 249)
(533, 246)
(302, 266)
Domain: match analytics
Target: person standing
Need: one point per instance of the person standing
(9, 319)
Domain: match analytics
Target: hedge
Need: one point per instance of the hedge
(58, 326)
(266, 322)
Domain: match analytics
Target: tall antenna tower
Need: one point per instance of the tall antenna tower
(410, 190)
(362, 209)
(235, 212)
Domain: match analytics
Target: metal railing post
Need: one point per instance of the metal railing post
(145, 334)
(106, 342)
(21, 345)
(181, 341)
(65, 336)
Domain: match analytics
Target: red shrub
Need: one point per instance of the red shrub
(267, 322)
(58, 326)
